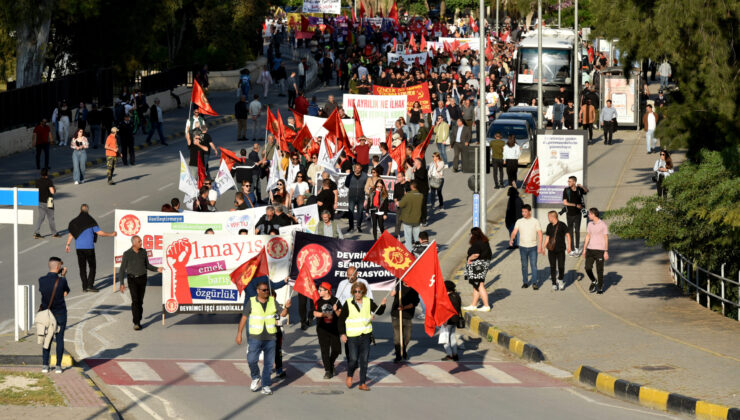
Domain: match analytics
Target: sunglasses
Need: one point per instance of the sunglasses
(263, 290)
(357, 291)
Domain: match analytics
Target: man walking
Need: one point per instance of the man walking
(133, 266)
(261, 311)
(530, 244)
(255, 110)
(573, 202)
(126, 134)
(608, 121)
(111, 154)
(557, 241)
(344, 289)
(84, 230)
(355, 182)
(401, 315)
(241, 113)
(46, 204)
(411, 213)
(649, 122)
(292, 89)
(460, 136)
(53, 288)
(587, 116)
(597, 250)
(497, 160)
(41, 140)
(156, 118)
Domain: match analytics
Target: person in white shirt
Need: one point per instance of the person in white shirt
(530, 244)
(255, 110)
(299, 189)
(511, 154)
(344, 290)
(649, 122)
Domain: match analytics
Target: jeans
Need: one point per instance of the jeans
(557, 263)
(442, 149)
(529, 256)
(42, 148)
(156, 126)
(255, 126)
(574, 230)
(291, 98)
(358, 352)
(410, 235)
(63, 131)
(438, 193)
(253, 356)
(355, 211)
(59, 337)
(95, 135)
(650, 140)
(595, 256)
(86, 257)
(414, 128)
(79, 162)
(557, 125)
(45, 212)
(256, 183)
(498, 171)
(137, 287)
(663, 82)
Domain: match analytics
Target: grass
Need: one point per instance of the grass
(33, 389)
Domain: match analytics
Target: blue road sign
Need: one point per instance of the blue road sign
(26, 196)
(476, 210)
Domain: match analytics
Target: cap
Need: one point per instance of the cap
(325, 285)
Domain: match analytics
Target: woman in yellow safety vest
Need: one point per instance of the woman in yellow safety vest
(356, 327)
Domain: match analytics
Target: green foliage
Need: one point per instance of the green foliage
(700, 219)
(699, 39)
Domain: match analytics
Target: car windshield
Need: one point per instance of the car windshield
(555, 65)
(519, 131)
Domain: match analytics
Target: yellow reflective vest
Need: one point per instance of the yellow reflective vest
(359, 322)
(260, 318)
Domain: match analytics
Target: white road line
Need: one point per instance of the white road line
(435, 373)
(494, 375)
(6, 326)
(313, 372)
(140, 371)
(139, 403)
(200, 372)
(108, 213)
(143, 197)
(550, 370)
(592, 401)
(163, 187)
(171, 413)
(381, 375)
(33, 247)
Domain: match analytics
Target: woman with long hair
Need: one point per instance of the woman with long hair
(280, 195)
(377, 205)
(79, 156)
(476, 268)
(663, 168)
(415, 115)
(436, 179)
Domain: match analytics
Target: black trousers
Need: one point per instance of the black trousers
(574, 230)
(662, 192)
(127, 151)
(378, 222)
(590, 128)
(608, 131)
(331, 347)
(397, 336)
(498, 172)
(424, 207)
(291, 98)
(557, 263)
(85, 258)
(45, 149)
(279, 350)
(305, 308)
(512, 166)
(137, 287)
(595, 256)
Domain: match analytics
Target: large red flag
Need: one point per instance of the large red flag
(362, 10)
(423, 43)
(272, 124)
(298, 119)
(304, 24)
(419, 150)
(286, 134)
(302, 140)
(389, 253)
(198, 98)
(335, 127)
(358, 126)
(399, 155)
(201, 170)
(393, 14)
(254, 267)
(412, 42)
(473, 25)
(304, 283)
(230, 157)
(425, 276)
(532, 180)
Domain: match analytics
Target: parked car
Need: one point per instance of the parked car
(522, 133)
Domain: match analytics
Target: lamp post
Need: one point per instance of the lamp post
(539, 64)
(576, 70)
(482, 114)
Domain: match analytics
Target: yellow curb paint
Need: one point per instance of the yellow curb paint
(493, 334)
(66, 360)
(653, 398)
(516, 345)
(474, 322)
(577, 373)
(709, 411)
(605, 384)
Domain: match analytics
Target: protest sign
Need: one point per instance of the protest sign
(413, 93)
(386, 107)
(322, 6)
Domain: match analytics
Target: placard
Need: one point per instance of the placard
(386, 107)
(413, 94)
(560, 156)
(322, 6)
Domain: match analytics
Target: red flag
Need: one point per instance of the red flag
(362, 10)
(298, 119)
(302, 140)
(394, 44)
(389, 253)
(254, 267)
(393, 14)
(358, 126)
(423, 44)
(354, 15)
(272, 124)
(532, 180)
(473, 25)
(419, 150)
(201, 171)
(334, 125)
(425, 276)
(412, 42)
(371, 10)
(286, 134)
(399, 155)
(230, 157)
(304, 24)
(304, 283)
(489, 49)
(198, 98)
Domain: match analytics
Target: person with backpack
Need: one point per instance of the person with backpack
(53, 288)
(447, 336)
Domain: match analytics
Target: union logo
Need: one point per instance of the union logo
(248, 274)
(396, 258)
(277, 248)
(129, 225)
(171, 306)
(318, 259)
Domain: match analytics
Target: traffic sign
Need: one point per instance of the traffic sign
(26, 196)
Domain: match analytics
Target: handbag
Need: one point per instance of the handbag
(435, 181)
(551, 240)
(42, 330)
(50, 202)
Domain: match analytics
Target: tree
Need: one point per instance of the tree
(31, 21)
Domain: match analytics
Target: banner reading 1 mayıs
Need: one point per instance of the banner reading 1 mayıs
(560, 156)
(197, 268)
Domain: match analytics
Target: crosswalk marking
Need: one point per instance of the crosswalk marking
(380, 375)
(492, 374)
(200, 372)
(140, 371)
(435, 374)
(314, 372)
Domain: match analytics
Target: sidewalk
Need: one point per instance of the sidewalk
(641, 329)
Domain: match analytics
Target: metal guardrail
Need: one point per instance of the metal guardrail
(687, 275)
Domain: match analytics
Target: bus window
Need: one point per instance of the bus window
(556, 65)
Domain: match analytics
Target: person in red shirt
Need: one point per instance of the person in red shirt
(362, 153)
(111, 153)
(301, 104)
(42, 139)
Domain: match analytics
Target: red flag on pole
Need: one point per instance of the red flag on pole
(230, 157)
(362, 10)
(425, 276)
(423, 43)
(304, 283)
(272, 124)
(254, 267)
(419, 150)
(412, 42)
(304, 24)
(473, 25)
(393, 14)
(199, 99)
(532, 180)
(399, 155)
(394, 44)
(389, 253)
(302, 140)
(335, 127)
(201, 170)
(371, 10)
(358, 126)
(298, 119)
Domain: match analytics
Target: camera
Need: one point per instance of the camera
(78, 143)
(584, 212)
(562, 211)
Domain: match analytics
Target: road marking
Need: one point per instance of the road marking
(33, 247)
(200, 372)
(380, 375)
(435, 373)
(171, 413)
(550, 370)
(143, 197)
(165, 186)
(6, 326)
(108, 213)
(494, 375)
(139, 403)
(592, 401)
(140, 371)
(313, 372)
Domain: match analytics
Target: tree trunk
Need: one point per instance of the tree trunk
(33, 37)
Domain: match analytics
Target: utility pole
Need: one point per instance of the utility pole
(483, 116)
(576, 70)
(559, 5)
(497, 19)
(539, 64)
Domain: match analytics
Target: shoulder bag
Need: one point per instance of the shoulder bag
(44, 318)
(552, 239)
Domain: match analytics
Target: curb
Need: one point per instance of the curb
(67, 360)
(114, 414)
(101, 161)
(654, 398)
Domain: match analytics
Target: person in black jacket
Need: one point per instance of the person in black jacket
(404, 306)
(126, 137)
(377, 207)
(241, 114)
(513, 211)
(55, 296)
(447, 336)
(421, 176)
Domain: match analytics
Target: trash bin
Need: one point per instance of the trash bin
(469, 157)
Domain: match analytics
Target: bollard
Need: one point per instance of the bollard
(722, 288)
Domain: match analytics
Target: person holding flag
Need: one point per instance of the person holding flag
(405, 300)
(327, 315)
(447, 336)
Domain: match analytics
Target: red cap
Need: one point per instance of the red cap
(325, 285)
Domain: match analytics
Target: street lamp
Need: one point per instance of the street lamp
(576, 70)
(539, 64)
(482, 114)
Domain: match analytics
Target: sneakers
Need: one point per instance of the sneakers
(555, 287)
(77, 182)
(266, 390)
(592, 287)
(45, 369)
(470, 308)
(57, 235)
(137, 327)
(485, 309)
(535, 287)
(561, 285)
(255, 385)
(58, 369)
(525, 285)
(36, 236)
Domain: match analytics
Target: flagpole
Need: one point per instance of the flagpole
(386, 295)
(400, 317)
(417, 259)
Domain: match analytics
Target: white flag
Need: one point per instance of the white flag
(187, 183)
(223, 180)
(276, 171)
(326, 162)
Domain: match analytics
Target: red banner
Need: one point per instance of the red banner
(414, 93)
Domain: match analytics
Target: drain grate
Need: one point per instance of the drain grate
(655, 368)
